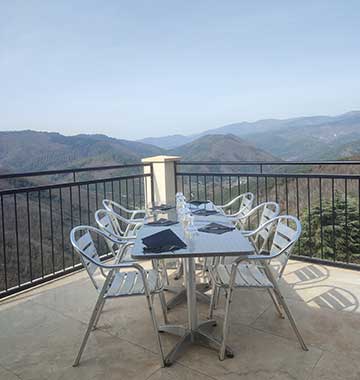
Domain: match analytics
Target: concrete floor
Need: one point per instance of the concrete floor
(40, 332)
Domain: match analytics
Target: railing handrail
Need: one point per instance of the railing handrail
(70, 170)
(269, 163)
(271, 175)
(70, 184)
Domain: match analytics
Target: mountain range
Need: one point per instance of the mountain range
(33, 151)
(306, 138)
(303, 138)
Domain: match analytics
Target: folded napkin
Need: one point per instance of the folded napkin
(215, 228)
(204, 212)
(198, 203)
(162, 222)
(162, 207)
(163, 241)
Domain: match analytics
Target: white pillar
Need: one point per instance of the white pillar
(163, 179)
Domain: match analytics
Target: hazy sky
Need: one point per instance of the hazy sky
(134, 68)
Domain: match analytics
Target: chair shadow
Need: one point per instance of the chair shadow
(309, 274)
(333, 297)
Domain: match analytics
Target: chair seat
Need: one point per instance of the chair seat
(248, 275)
(131, 283)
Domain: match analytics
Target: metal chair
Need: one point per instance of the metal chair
(117, 224)
(260, 236)
(105, 223)
(110, 222)
(118, 208)
(258, 272)
(119, 280)
(246, 201)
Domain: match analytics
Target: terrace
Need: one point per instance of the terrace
(48, 298)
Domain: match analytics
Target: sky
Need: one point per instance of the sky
(132, 69)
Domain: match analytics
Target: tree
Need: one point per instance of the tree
(332, 232)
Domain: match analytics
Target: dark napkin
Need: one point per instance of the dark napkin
(198, 203)
(215, 228)
(204, 212)
(161, 222)
(163, 241)
(162, 207)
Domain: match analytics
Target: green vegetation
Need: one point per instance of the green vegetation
(333, 231)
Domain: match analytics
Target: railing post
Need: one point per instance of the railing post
(160, 186)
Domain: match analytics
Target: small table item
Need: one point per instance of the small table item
(216, 228)
(204, 212)
(161, 222)
(162, 207)
(163, 241)
(199, 203)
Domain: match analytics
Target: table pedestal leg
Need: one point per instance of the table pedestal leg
(194, 333)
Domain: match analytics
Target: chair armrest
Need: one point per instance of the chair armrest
(231, 202)
(125, 220)
(264, 255)
(136, 212)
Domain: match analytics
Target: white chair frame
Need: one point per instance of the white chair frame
(256, 272)
(260, 236)
(246, 201)
(118, 282)
(111, 222)
(111, 205)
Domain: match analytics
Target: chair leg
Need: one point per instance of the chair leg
(93, 317)
(225, 326)
(163, 306)
(98, 314)
(291, 318)
(180, 270)
(276, 303)
(212, 302)
(156, 330)
(165, 274)
(217, 297)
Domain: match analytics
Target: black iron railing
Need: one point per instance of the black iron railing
(327, 204)
(39, 210)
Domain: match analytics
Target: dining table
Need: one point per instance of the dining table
(198, 245)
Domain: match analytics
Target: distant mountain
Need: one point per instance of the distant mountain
(324, 140)
(345, 151)
(167, 142)
(300, 138)
(221, 148)
(30, 150)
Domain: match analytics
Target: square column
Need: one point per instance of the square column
(164, 179)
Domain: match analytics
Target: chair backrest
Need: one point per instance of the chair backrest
(246, 204)
(83, 240)
(269, 210)
(287, 233)
(108, 222)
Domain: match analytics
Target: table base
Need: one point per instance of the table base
(197, 336)
(180, 294)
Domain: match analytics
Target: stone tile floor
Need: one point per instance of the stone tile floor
(40, 332)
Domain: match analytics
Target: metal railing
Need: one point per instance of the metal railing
(327, 204)
(36, 217)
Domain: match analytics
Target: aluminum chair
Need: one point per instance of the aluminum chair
(258, 272)
(110, 222)
(113, 222)
(260, 236)
(119, 280)
(118, 208)
(105, 223)
(246, 201)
